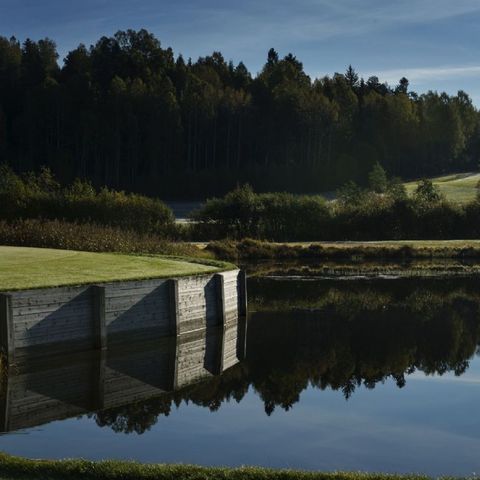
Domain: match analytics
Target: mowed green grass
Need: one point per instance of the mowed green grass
(22, 268)
(19, 468)
(457, 188)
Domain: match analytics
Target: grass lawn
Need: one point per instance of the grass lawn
(458, 188)
(14, 467)
(22, 268)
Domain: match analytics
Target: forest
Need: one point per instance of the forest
(129, 114)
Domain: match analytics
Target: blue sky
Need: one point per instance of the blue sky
(434, 43)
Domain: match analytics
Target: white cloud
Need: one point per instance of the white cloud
(427, 74)
(310, 20)
(467, 378)
(250, 24)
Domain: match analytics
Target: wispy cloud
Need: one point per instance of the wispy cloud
(450, 378)
(238, 25)
(315, 20)
(416, 11)
(427, 74)
(327, 35)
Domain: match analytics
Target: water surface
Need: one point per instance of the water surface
(377, 375)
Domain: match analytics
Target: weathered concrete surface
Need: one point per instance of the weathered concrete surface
(93, 316)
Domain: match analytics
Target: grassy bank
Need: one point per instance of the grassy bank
(22, 268)
(18, 468)
(249, 249)
(368, 269)
(457, 188)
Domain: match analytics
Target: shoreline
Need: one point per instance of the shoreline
(311, 269)
(20, 468)
(405, 250)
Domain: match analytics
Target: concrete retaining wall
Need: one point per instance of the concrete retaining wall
(92, 316)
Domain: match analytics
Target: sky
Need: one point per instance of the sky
(434, 43)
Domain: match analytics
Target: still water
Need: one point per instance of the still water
(372, 375)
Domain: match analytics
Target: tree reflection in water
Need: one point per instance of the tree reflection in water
(332, 335)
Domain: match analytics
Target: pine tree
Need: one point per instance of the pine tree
(377, 179)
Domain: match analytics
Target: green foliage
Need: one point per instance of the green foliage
(251, 249)
(80, 189)
(125, 113)
(356, 215)
(88, 237)
(457, 188)
(243, 213)
(377, 179)
(15, 467)
(237, 213)
(40, 196)
(427, 193)
(42, 183)
(396, 189)
(350, 193)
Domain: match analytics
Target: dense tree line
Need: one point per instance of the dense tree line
(129, 114)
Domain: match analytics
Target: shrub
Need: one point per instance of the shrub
(349, 194)
(396, 189)
(277, 216)
(88, 237)
(40, 196)
(286, 216)
(427, 193)
(377, 179)
(237, 214)
(356, 215)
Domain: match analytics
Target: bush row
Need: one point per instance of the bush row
(276, 216)
(40, 196)
(88, 237)
(252, 249)
(363, 216)
(381, 214)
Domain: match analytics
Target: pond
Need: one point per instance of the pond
(372, 375)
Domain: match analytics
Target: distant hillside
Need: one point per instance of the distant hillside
(458, 187)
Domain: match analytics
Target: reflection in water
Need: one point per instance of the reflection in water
(44, 389)
(347, 334)
(326, 335)
(337, 336)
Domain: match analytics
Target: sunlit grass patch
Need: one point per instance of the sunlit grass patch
(22, 268)
(457, 188)
(18, 468)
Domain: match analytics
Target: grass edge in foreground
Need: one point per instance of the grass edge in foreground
(19, 468)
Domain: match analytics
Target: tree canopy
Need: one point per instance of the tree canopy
(127, 113)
